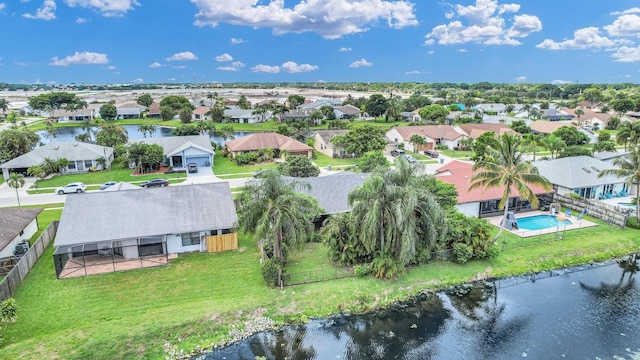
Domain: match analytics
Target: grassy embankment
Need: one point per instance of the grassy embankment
(195, 300)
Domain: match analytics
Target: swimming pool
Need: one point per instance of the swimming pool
(538, 222)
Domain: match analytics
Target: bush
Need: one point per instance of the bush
(386, 267)
(575, 196)
(633, 223)
(246, 158)
(493, 251)
(442, 147)
(270, 269)
(362, 269)
(462, 253)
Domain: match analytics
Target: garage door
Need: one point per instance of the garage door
(200, 160)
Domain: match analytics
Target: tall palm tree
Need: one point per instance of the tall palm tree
(554, 143)
(530, 143)
(274, 211)
(579, 112)
(37, 172)
(505, 168)
(16, 181)
(628, 167)
(628, 133)
(147, 128)
(4, 106)
(49, 166)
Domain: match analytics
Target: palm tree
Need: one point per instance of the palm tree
(37, 172)
(579, 112)
(505, 168)
(49, 166)
(530, 143)
(628, 167)
(417, 142)
(4, 106)
(50, 132)
(554, 143)
(147, 128)
(102, 162)
(16, 181)
(628, 133)
(272, 210)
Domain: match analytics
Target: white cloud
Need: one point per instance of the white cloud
(521, 79)
(414, 72)
(80, 58)
(172, 79)
(462, 50)
(236, 41)
(235, 66)
(155, 65)
(627, 54)
(561, 82)
(627, 76)
(625, 25)
(20, 63)
(111, 67)
(3, 6)
(106, 7)
(430, 52)
(138, 80)
(46, 12)
(329, 18)
(343, 49)
(266, 69)
(81, 20)
(224, 57)
(586, 38)
(633, 10)
(182, 56)
(484, 24)
(360, 63)
(179, 67)
(291, 67)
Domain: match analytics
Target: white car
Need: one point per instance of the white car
(76, 187)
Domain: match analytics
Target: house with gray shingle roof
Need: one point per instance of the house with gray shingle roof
(324, 145)
(332, 191)
(81, 156)
(579, 175)
(140, 228)
(16, 226)
(182, 150)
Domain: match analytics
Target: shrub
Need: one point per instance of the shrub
(246, 158)
(493, 251)
(575, 196)
(362, 269)
(462, 253)
(442, 147)
(270, 269)
(386, 267)
(633, 223)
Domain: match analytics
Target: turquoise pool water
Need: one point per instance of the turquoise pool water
(628, 205)
(541, 222)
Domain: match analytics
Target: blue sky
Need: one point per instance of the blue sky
(152, 41)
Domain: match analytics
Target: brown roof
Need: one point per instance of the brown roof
(154, 108)
(460, 173)
(13, 221)
(590, 114)
(475, 130)
(201, 110)
(548, 127)
(259, 141)
(435, 132)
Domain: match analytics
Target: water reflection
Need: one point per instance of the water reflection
(593, 313)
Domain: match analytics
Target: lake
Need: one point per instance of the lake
(70, 133)
(590, 312)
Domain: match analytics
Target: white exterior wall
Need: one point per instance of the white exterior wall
(174, 244)
(31, 229)
(469, 209)
(564, 191)
(130, 249)
(394, 136)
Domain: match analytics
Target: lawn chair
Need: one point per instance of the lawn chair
(623, 193)
(568, 213)
(616, 194)
(609, 196)
(601, 196)
(582, 213)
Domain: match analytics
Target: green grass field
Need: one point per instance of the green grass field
(224, 166)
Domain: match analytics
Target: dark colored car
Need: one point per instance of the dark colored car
(410, 159)
(192, 168)
(432, 153)
(107, 185)
(155, 183)
(397, 152)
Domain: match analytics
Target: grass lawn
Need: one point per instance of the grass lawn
(457, 154)
(192, 302)
(117, 173)
(323, 160)
(224, 166)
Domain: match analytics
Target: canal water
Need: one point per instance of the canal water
(592, 312)
(70, 133)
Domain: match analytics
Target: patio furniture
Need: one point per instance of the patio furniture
(623, 193)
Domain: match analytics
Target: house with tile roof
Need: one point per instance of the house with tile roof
(322, 142)
(475, 130)
(434, 135)
(591, 118)
(279, 143)
(154, 111)
(16, 226)
(201, 113)
(81, 156)
(480, 202)
(548, 127)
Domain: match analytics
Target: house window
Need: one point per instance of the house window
(189, 239)
(88, 163)
(72, 165)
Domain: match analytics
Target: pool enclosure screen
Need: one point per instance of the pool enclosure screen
(110, 256)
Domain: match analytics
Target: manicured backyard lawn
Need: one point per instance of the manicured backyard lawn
(323, 160)
(456, 154)
(223, 165)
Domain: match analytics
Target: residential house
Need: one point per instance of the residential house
(547, 127)
(579, 175)
(201, 113)
(609, 156)
(182, 150)
(277, 142)
(129, 111)
(16, 226)
(296, 114)
(323, 144)
(555, 115)
(81, 156)
(480, 202)
(243, 116)
(591, 118)
(76, 115)
(498, 109)
(140, 228)
(434, 135)
(475, 130)
(410, 116)
(154, 111)
(347, 112)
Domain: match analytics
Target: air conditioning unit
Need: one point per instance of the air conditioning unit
(21, 249)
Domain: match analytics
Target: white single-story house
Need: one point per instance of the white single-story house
(579, 175)
(242, 116)
(140, 228)
(434, 135)
(323, 144)
(16, 226)
(183, 150)
(347, 112)
(81, 156)
(410, 116)
(201, 113)
(129, 111)
(78, 115)
(480, 202)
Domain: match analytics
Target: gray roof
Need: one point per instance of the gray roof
(56, 150)
(13, 221)
(147, 212)
(239, 113)
(576, 172)
(609, 155)
(123, 186)
(332, 191)
(327, 135)
(172, 144)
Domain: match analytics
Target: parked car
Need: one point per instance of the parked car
(76, 187)
(108, 184)
(432, 153)
(192, 168)
(395, 152)
(155, 183)
(410, 159)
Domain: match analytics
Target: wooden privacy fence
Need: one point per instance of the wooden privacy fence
(616, 215)
(9, 284)
(224, 242)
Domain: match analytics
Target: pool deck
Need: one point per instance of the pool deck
(575, 224)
